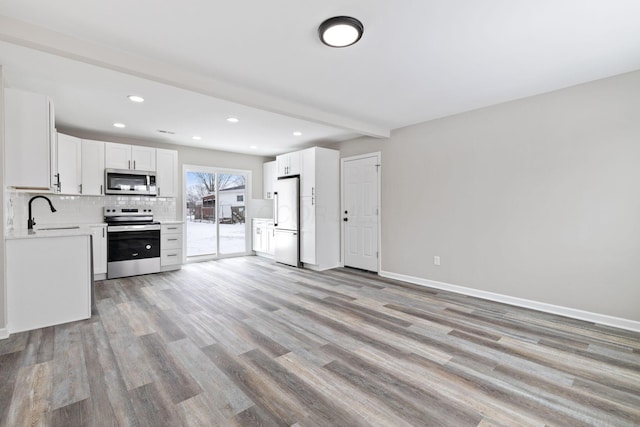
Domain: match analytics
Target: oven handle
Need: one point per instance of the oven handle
(120, 228)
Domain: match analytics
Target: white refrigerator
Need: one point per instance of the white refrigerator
(287, 221)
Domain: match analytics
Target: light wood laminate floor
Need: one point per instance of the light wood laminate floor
(244, 341)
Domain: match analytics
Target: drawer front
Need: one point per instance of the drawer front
(171, 257)
(171, 228)
(171, 241)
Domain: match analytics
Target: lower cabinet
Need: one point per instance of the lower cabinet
(99, 233)
(263, 234)
(171, 247)
(48, 281)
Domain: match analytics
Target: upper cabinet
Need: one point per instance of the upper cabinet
(29, 140)
(288, 164)
(68, 164)
(92, 168)
(269, 179)
(131, 157)
(167, 172)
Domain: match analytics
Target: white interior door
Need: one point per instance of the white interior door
(360, 212)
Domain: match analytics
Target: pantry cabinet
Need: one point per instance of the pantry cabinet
(320, 208)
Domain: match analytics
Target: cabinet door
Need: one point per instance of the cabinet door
(143, 158)
(282, 165)
(294, 163)
(29, 140)
(167, 172)
(92, 168)
(69, 163)
(270, 240)
(117, 156)
(308, 173)
(308, 230)
(99, 234)
(269, 179)
(257, 239)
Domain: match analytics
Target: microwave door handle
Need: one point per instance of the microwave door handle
(275, 210)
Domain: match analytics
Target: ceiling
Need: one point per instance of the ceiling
(198, 62)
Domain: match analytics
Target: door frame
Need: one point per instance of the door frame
(247, 224)
(378, 155)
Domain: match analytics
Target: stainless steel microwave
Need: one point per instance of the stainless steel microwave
(130, 182)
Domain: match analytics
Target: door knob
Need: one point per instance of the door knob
(345, 219)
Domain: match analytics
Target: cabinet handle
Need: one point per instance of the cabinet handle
(101, 189)
(172, 254)
(172, 240)
(158, 191)
(103, 232)
(80, 188)
(134, 165)
(129, 163)
(172, 228)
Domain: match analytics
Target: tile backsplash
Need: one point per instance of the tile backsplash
(77, 209)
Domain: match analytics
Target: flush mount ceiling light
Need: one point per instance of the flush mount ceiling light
(232, 119)
(340, 31)
(135, 98)
(119, 125)
(196, 137)
(296, 133)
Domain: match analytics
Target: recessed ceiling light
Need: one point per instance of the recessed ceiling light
(253, 147)
(196, 137)
(119, 125)
(340, 31)
(232, 119)
(135, 98)
(296, 133)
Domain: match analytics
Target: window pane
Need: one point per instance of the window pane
(200, 214)
(231, 212)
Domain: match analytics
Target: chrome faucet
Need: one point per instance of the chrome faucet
(32, 221)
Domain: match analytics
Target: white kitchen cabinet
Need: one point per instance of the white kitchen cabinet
(29, 140)
(129, 157)
(99, 233)
(171, 246)
(263, 233)
(167, 172)
(92, 168)
(68, 164)
(269, 177)
(320, 208)
(48, 281)
(288, 164)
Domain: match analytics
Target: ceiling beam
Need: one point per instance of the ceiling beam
(45, 40)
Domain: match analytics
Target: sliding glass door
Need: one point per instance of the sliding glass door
(215, 212)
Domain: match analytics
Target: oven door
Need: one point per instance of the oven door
(132, 250)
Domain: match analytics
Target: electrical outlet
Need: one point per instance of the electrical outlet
(436, 260)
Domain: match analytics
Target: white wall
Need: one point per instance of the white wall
(537, 198)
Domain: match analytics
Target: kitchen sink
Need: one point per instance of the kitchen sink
(70, 227)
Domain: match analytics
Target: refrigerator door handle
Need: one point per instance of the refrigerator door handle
(275, 209)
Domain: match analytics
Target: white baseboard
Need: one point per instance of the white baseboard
(574, 313)
(4, 333)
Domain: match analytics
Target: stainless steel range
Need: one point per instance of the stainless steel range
(133, 241)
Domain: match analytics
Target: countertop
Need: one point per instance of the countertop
(262, 219)
(24, 234)
(81, 230)
(171, 222)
